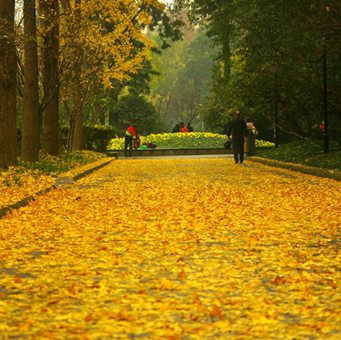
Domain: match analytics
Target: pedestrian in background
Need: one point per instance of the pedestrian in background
(239, 135)
(176, 128)
(183, 128)
(189, 127)
(137, 141)
(130, 134)
(322, 127)
(250, 144)
(250, 126)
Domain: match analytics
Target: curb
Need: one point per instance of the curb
(25, 201)
(325, 173)
(176, 152)
(88, 172)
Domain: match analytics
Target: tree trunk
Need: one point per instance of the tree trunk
(49, 10)
(31, 122)
(113, 116)
(70, 135)
(8, 86)
(102, 118)
(77, 140)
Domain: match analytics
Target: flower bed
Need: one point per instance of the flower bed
(183, 141)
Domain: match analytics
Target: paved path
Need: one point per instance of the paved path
(185, 248)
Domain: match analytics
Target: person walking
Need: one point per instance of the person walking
(130, 134)
(189, 127)
(239, 135)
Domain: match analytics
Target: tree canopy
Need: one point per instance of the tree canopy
(271, 53)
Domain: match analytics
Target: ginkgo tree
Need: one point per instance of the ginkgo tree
(98, 44)
(82, 46)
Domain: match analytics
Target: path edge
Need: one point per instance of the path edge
(325, 173)
(25, 201)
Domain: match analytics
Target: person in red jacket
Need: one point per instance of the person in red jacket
(183, 127)
(322, 127)
(130, 134)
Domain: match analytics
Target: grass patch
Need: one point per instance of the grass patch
(309, 153)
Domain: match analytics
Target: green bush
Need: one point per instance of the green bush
(309, 152)
(96, 137)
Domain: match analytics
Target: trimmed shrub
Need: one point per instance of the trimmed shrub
(96, 137)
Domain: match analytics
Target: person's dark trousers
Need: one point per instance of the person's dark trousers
(238, 150)
(128, 141)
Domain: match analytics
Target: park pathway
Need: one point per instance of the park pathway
(175, 249)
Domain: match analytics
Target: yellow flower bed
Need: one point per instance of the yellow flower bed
(182, 141)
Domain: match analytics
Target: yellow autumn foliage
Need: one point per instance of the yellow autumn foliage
(103, 32)
(15, 186)
(175, 249)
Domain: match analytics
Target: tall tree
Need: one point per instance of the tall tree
(168, 30)
(269, 48)
(49, 108)
(97, 55)
(31, 121)
(8, 85)
(77, 128)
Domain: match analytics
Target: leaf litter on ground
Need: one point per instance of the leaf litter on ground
(175, 249)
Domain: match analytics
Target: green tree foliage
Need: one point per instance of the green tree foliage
(185, 72)
(134, 108)
(138, 82)
(272, 47)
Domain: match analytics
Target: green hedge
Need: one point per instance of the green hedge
(96, 137)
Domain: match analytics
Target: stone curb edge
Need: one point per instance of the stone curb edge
(88, 172)
(26, 200)
(325, 173)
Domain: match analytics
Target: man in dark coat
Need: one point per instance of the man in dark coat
(176, 128)
(239, 136)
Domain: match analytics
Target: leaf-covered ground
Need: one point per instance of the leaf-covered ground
(17, 183)
(175, 249)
